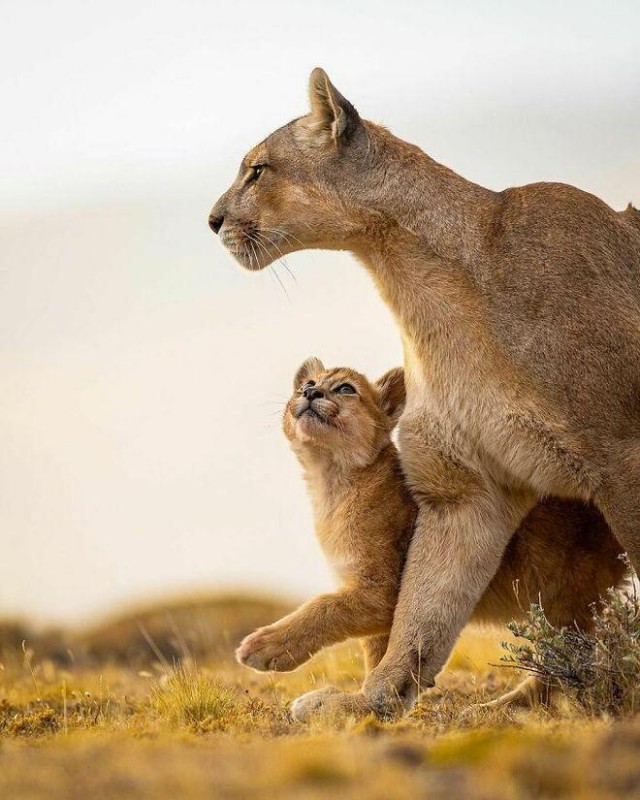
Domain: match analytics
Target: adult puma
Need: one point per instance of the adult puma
(520, 318)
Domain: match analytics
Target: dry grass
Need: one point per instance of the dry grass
(189, 697)
(73, 725)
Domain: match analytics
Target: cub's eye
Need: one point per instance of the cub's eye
(256, 172)
(307, 385)
(345, 388)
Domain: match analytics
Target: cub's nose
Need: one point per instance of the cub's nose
(313, 393)
(216, 222)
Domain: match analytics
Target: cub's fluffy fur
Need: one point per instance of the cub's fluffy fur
(339, 426)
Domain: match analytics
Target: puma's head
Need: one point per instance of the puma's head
(302, 186)
(338, 413)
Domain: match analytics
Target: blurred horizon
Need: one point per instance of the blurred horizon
(143, 371)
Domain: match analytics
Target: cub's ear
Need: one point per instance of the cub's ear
(312, 366)
(392, 393)
(332, 117)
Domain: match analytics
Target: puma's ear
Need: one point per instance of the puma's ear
(332, 117)
(312, 366)
(392, 393)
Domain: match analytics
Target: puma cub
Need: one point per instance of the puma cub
(339, 426)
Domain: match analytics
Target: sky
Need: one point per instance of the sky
(143, 373)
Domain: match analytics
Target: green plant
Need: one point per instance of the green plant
(600, 668)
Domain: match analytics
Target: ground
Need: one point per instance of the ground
(152, 705)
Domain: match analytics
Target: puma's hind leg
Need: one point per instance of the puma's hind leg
(563, 556)
(529, 693)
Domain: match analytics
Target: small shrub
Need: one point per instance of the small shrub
(599, 668)
(187, 697)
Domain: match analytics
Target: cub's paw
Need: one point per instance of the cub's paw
(329, 705)
(267, 650)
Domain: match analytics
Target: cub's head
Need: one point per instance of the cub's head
(300, 188)
(337, 413)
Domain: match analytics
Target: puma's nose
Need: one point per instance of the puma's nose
(216, 222)
(313, 393)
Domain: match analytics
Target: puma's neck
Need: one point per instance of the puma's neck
(426, 247)
(433, 299)
(425, 235)
(448, 215)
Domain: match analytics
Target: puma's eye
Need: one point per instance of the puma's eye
(308, 385)
(256, 172)
(345, 388)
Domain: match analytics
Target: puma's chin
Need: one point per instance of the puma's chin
(250, 254)
(248, 259)
(250, 264)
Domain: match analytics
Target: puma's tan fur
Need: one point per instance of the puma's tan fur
(520, 317)
(562, 555)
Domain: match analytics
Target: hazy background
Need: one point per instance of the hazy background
(142, 372)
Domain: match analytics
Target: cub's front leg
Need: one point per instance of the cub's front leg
(374, 648)
(323, 621)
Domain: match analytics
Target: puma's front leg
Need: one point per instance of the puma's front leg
(455, 551)
(325, 620)
(321, 701)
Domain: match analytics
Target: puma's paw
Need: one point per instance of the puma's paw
(268, 650)
(303, 707)
(392, 689)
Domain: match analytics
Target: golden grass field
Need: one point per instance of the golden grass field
(152, 705)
